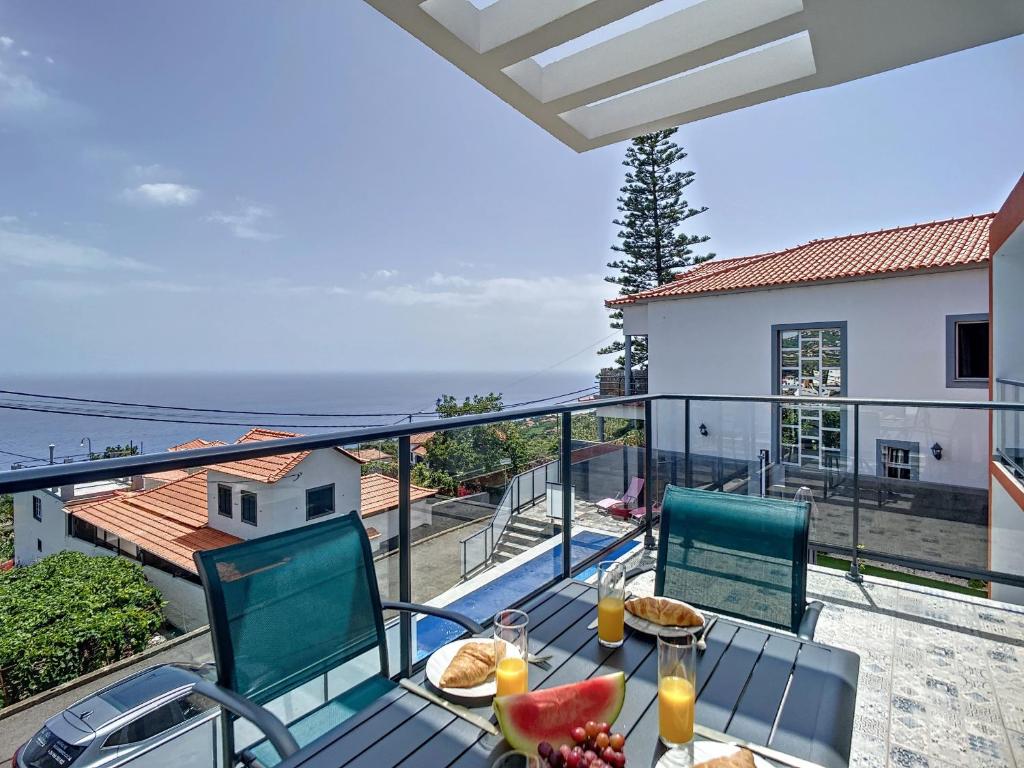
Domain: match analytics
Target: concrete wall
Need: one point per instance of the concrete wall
(51, 530)
(386, 524)
(186, 604)
(1007, 537)
(896, 348)
(281, 506)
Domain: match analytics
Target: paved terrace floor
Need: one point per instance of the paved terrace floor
(941, 676)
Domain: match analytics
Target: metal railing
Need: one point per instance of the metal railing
(63, 474)
(612, 383)
(522, 490)
(1008, 445)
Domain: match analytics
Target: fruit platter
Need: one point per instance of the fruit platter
(569, 726)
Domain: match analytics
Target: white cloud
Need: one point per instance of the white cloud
(246, 223)
(279, 286)
(384, 274)
(6, 42)
(24, 54)
(161, 194)
(75, 289)
(49, 60)
(20, 93)
(145, 172)
(542, 294)
(25, 249)
(8, 220)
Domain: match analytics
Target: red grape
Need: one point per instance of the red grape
(573, 760)
(609, 755)
(579, 734)
(601, 741)
(544, 749)
(592, 728)
(604, 727)
(617, 740)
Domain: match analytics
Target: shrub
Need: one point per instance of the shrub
(69, 614)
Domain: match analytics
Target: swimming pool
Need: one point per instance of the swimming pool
(481, 604)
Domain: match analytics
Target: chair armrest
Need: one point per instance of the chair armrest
(632, 573)
(430, 610)
(809, 620)
(276, 732)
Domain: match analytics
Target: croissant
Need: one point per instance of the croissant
(472, 665)
(741, 758)
(667, 613)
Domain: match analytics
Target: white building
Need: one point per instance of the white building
(166, 517)
(1007, 468)
(899, 313)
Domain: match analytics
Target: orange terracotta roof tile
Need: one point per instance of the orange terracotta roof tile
(421, 437)
(168, 476)
(379, 493)
(948, 244)
(371, 454)
(196, 443)
(268, 469)
(168, 521)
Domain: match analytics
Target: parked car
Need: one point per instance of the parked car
(152, 718)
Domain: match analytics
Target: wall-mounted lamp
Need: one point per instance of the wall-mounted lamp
(703, 429)
(937, 452)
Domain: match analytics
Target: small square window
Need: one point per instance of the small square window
(967, 350)
(224, 500)
(248, 508)
(37, 508)
(319, 501)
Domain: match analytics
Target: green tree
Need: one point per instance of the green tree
(652, 244)
(116, 451)
(6, 528)
(69, 614)
(456, 455)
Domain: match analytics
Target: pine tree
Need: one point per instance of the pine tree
(652, 245)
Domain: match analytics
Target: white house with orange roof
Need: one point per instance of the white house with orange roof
(897, 313)
(164, 520)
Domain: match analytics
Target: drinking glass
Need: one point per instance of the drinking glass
(516, 760)
(677, 691)
(512, 672)
(611, 601)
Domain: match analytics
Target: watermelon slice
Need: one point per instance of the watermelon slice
(527, 719)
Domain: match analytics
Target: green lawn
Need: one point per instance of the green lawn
(840, 564)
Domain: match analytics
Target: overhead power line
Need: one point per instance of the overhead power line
(68, 410)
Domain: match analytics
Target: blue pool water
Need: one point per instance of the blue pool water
(481, 604)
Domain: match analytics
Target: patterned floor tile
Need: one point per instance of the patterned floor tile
(935, 690)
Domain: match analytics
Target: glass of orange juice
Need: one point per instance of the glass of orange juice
(510, 631)
(677, 691)
(611, 601)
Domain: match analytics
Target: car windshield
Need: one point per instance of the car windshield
(46, 750)
(149, 685)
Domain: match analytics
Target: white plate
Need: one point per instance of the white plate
(653, 628)
(442, 657)
(705, 750)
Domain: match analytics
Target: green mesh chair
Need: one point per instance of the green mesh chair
(296, 614)
(741, 556)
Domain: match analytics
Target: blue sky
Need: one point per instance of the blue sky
(255, 185)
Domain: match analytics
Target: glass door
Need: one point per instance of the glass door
(810, 365)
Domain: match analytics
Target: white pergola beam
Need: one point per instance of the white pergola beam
(704, 60)
(525, 27)
(684, 32)
(743, 75)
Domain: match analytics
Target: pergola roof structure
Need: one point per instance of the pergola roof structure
(594, 72)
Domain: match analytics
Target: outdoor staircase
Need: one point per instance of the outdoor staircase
(519, 535)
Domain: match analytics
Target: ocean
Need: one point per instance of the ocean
(26, 435)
